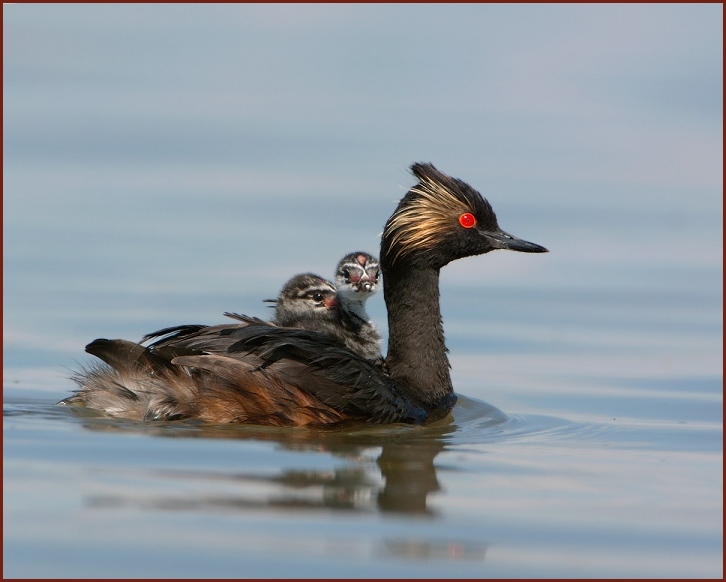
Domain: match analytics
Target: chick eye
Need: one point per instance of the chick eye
(346, 273)
(467, 220)
(318, 296)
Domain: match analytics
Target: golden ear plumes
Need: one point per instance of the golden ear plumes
(423, 220)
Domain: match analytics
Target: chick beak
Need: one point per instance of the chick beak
(365, 284)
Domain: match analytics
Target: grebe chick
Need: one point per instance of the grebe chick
(357, 279)
(255, 372)
(308, 301)
(305, 301)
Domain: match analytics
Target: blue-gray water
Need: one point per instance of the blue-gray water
(166, 163)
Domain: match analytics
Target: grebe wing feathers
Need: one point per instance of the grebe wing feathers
(169, 333)
(247, 318)
(312, 362)
(116, 353)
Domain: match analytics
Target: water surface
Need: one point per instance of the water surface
(164, 164)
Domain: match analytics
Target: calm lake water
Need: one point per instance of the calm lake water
(166, 163)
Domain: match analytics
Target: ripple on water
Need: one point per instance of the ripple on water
(477, 422)
(471, 422)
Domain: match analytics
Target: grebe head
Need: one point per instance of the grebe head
(357, 276)
(442, 219)
(305, 296)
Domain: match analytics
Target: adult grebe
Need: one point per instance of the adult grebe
(257, 373)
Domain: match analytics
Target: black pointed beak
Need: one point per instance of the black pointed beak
(503, 240)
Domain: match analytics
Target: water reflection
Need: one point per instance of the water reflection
(400, 480)
(417, 549)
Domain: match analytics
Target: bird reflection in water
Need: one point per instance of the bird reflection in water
(400, 481)
(389, 469)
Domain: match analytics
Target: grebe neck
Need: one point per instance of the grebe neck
(416, 350)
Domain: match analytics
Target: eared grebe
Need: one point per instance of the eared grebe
(255, 372)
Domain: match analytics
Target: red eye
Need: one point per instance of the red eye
(467, 220)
